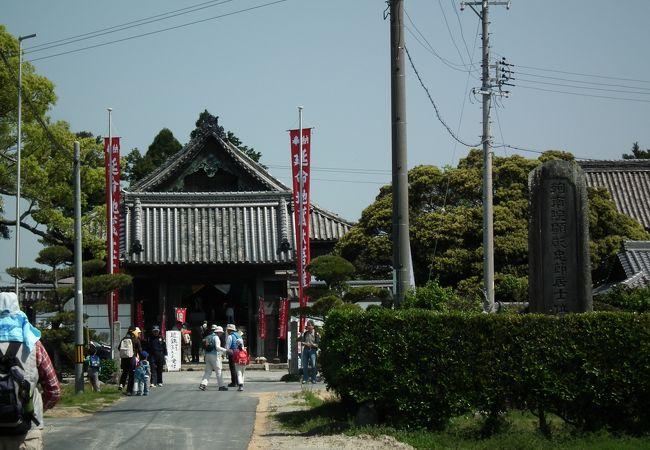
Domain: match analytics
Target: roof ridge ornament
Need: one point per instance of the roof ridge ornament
(211, 125)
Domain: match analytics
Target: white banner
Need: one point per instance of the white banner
(173, 357)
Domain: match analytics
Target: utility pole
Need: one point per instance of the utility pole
(486, 92)
(78, 274)
(18, 148)
(401, 243)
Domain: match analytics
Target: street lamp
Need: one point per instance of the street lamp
(20, 96)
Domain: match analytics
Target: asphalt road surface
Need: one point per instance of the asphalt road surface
(175, 416)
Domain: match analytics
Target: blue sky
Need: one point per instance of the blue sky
(581, 69)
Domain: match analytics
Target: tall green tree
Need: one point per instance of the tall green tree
(38, 97)
(637, 153)
(446, 226)
(163, 146)
(206, 117)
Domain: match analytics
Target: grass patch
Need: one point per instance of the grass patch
(88, 401)
(328, 416)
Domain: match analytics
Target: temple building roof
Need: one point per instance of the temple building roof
(212, 204)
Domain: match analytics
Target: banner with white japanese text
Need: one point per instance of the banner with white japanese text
(173, 357)
(261, 319)
(112, 175)
(300, 156)
(284, 309)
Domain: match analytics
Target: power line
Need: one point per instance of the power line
(161, 30)
(584, 95)
(583, 82)
(453, 135)
(584, 74)
(584, 87)
(124, 26)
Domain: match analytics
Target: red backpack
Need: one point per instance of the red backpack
(241, 357)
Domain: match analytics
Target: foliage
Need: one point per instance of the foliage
(431, 296)
(205, 116)
(163, 146)
(333, 270)
(637, 153)
(446, 227)
(107, 369)
(365, 293)
(323, 305)
(88, 401)
(588, 369)
(623, 298)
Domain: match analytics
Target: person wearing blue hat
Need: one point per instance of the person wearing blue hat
(142, 375)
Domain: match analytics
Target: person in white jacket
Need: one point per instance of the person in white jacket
(213, 354)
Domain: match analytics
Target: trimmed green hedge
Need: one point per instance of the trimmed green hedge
(422, 368)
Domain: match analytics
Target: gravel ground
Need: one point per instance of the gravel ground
(269, 434)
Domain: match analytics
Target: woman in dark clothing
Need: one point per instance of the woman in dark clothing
(128, 362)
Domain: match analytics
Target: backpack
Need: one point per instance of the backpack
(16, 394)
(187, 338)
(209, 344)
(94, 361)
(233, 340)
(126, 348)
(241, 357)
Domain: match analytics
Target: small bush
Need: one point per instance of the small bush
(107, 369)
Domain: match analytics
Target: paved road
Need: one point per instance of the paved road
(176, 416)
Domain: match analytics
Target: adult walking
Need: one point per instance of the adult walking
(231, 346)
(310, 342)
(20, 345)
(213, 353)
(157, 352)
(130, 347)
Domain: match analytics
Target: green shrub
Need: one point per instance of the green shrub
(107, 369)
(422, 368)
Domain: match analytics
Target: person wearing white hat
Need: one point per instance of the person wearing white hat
(231, 345)
(20, 343)
(213, 352)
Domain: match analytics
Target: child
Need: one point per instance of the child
(94, 364)
(142, 375)
(241, 361)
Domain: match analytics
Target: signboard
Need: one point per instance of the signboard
(261, 319)
(173, 358)
(112, 175)
(284, 310)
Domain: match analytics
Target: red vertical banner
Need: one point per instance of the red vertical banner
(181, 314)
(112, 175)
(282, 320)
(139, 315)
(261, 319)
(300, 165)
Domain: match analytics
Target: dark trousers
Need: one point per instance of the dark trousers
(233, 369)
(128, 366)
(157, 364)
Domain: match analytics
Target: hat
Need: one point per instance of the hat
(143, 354)
(137, 330)
(214, 327)
(231, 327)
(155, 328)
(218, 329)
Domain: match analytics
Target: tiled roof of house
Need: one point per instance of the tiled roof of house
(628, 182)
(635, 261)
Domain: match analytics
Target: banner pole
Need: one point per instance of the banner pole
(301, 292)
(109, 228)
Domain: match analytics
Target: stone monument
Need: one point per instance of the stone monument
(559, 268)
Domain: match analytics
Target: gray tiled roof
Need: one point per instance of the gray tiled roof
(635, 261)
(628, 182)
(217, 228)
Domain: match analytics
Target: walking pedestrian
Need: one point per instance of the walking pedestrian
(213, 354)
(94, 364)
(20, 345)
(130, 349)
(157, 352)
(231, 346)
(142, 375)
(242, 360)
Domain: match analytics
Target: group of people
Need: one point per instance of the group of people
(141, 369)
(235, 351)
